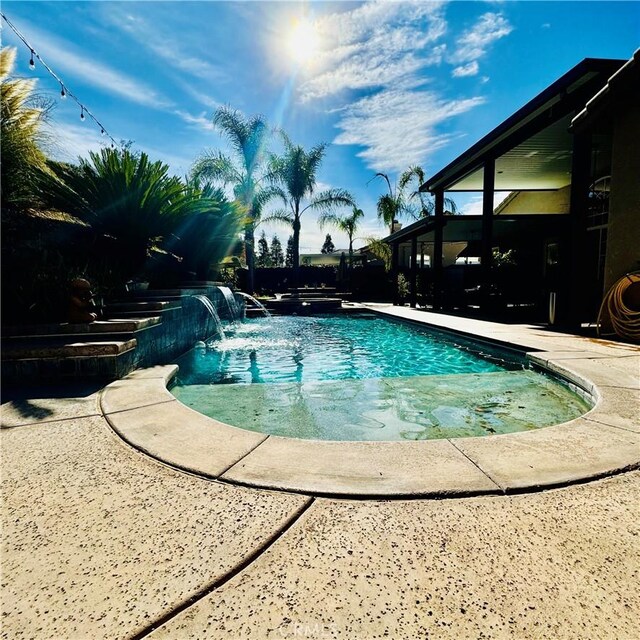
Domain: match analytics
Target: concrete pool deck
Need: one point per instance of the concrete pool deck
(101, 540)
(604, 441)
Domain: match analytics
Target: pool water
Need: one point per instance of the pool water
(363, 377)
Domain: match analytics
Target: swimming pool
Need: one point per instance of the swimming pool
(363, 377)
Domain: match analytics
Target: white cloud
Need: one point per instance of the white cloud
(384, 48)
(407, 137)
(202, 98)
(473, 43)
(72, 141)
(201, 121)
(60, 54)
(374, 45)
(470, 69)
(160, 43)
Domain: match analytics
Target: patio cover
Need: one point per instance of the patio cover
(531, 150)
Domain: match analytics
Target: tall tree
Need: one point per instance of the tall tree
(347, 224)
(277, 255)
(245, 172)
(264, 257)
(328, 246)
(288, 259)
(295, 173)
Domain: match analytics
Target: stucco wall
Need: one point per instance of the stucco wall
(536, 202)
(623, 241)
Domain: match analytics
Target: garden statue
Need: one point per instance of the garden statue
(81, 304)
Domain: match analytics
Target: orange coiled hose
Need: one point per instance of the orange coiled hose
(624, 320)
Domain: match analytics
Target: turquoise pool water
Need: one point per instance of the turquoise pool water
(362, 377)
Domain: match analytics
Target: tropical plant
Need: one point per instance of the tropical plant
(391, 205)
(380, 250)
(124, 197)
(22, 158)
(423, 204)
(347, 224)
(328, 246)
(295, 176)
(248, 138)
(404, 202)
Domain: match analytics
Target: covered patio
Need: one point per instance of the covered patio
(549, 173)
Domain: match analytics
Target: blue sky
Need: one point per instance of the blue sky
(388, 84)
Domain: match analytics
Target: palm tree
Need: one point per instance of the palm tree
(295, 173)
(126, 199)
(347, 224)
(22, 138)
(248, 138)
(426, 206)
(398, 203)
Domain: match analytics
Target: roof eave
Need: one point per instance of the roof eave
(470, 159)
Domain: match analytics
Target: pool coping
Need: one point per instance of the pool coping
(602, 442)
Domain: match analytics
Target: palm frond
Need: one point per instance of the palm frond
(281, 216)
(328, 200)
(414, 172)
(247, 136)
(215, 167)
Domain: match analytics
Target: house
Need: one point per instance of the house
(570, 161)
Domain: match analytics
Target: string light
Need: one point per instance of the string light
(64, 91)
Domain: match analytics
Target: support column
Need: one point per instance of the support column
(486, 257)
(414, 272)
(571, 303)
(437, 270)
(394, 271)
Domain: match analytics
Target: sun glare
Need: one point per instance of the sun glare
(302, 43)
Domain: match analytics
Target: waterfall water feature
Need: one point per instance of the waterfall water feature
(209, 306)
(256, 302)
(232, 304)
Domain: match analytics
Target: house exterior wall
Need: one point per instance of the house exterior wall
(623, 240)
(536, 202)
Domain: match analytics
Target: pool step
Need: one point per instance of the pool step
(54, 347)
(115, 325)
(107, 360)
(162, 304)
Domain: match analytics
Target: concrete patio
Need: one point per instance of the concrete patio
(102, 540)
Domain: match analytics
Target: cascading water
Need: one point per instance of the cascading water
(213, 313)
(232, 304)
(256, 302)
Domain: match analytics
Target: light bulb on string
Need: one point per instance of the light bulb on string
(101, 132)
(63, 93)
(81, 113)
(32, 62)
